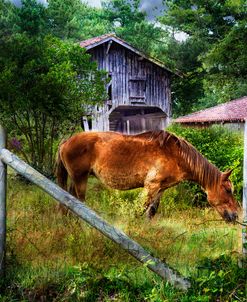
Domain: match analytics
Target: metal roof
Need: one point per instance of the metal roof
(96, 41)
(230, 112)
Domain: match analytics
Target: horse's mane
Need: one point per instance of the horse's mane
(206, 174)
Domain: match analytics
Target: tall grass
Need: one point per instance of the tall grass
(61, 258)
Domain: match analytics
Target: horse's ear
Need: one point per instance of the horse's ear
(163, 137)
(225, 175)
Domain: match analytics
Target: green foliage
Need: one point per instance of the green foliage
(229, 56)
(8, 17)
(65, 18)
(130, 24)
(226, 66)
(220, 146)
(188, 88)
(218, 279)
(44, 84)
(214, 71)
(75, 20)
(208, 22)
(32, 17)
(222, 279)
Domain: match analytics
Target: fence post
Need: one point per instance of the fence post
(3, 181)
(244, 229)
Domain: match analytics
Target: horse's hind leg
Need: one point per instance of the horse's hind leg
(81, 186)
(63, 209)
(77, 188)
(72, 190)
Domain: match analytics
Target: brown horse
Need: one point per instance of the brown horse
(153, 160)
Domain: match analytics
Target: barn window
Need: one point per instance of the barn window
(109, 87)
(137, 90)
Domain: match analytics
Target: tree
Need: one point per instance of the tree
(32, 18)
(130, 24)
(75, 20)
(8, 20)
(187, 89)
(44, 83)
(207, 24)
(208, 21)
(226, 65)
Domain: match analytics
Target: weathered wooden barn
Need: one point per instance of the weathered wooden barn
(139, 93)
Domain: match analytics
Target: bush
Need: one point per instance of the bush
(221, 279)
(221, 147)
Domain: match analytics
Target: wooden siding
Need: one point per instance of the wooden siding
(135, 81)
(126, 67)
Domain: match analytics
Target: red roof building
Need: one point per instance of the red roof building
(231, 112)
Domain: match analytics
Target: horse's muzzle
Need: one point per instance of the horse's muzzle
(230, 217)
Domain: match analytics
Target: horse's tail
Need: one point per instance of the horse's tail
(60, 170)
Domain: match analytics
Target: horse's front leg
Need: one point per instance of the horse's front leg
(152, 209)
(153, 200)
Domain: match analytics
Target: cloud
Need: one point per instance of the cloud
(95, 3)
(18, 2)
(153, 8)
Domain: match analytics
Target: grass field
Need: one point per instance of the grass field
(53, 257)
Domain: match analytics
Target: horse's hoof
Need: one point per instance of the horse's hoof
(62, 209)
(151, 212)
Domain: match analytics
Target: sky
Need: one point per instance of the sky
(95, 3)
(18, 2)
(153, 8)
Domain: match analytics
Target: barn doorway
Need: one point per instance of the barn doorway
(136, 119)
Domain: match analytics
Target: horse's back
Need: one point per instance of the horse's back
(109, 144)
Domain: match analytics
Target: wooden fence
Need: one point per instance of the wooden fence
(81, 210)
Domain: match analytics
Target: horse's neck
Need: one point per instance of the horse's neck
(197, 168)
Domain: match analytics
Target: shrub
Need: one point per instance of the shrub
(221, 279)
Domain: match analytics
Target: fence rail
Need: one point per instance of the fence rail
(82, 211)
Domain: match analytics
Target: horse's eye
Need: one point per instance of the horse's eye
(228, 190)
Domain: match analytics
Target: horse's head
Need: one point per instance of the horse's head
(221, 198)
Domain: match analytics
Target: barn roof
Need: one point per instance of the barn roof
(231, 112)
(96, 41)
